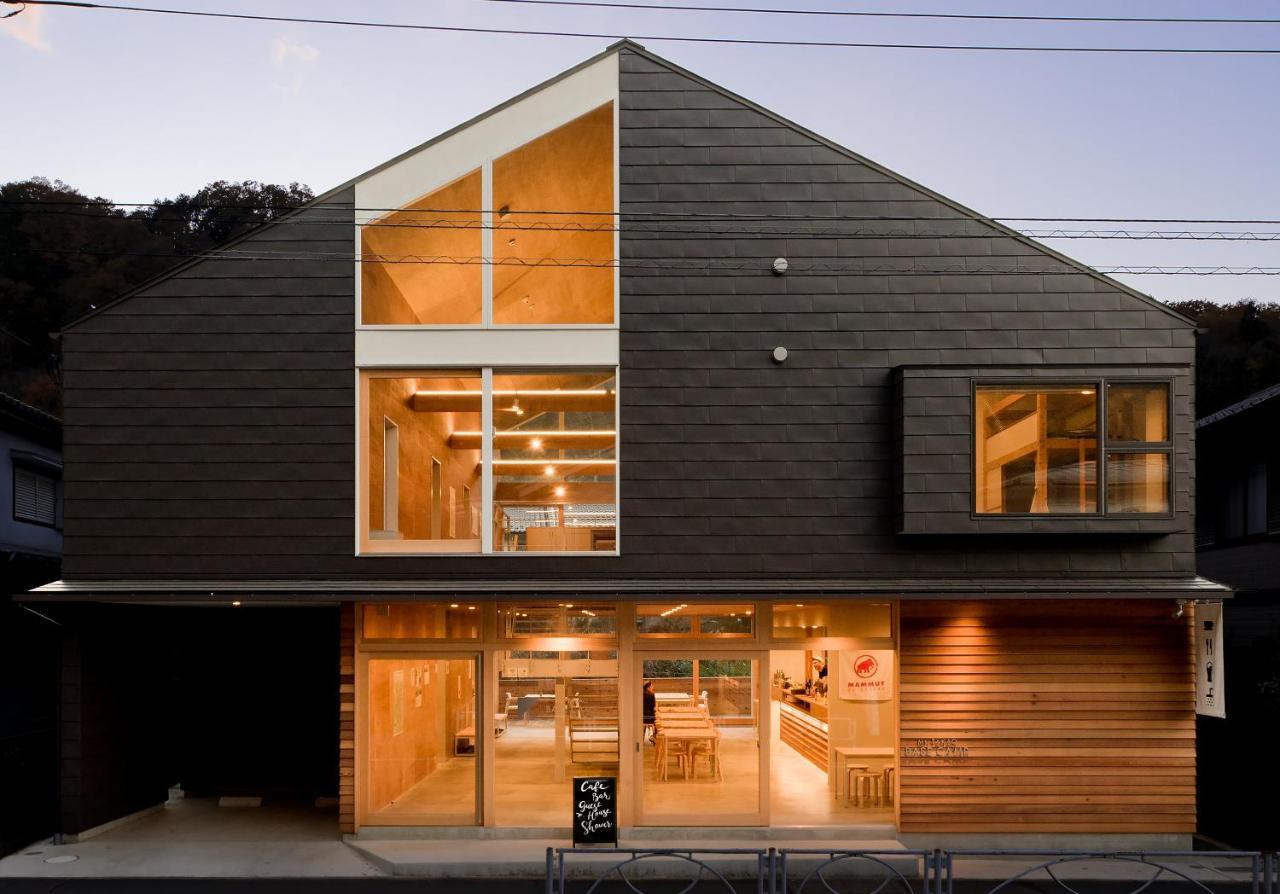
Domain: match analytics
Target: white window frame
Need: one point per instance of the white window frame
(364, 546)
(477, 145)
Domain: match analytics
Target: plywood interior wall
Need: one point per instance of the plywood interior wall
(404, 753)
(423, 436)
(396, 289)
(568, 171)
(347, 718)
(1047, 717)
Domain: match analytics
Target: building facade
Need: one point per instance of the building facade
(1238, 538)
(30, 548)
(635, 382)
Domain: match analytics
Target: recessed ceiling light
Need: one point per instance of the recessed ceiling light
(560, 491)
(453, 605)
(549, 470)
(535, 444)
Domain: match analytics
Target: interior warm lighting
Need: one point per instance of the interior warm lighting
(799, 605)
(453, 605)
(471, 608)
(568, 605)
(515, 408)
(535, 444)
(549, 471)
(1087, 391)
(560, 491)
(237, 602)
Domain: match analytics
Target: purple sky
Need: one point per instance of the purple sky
(132, 106)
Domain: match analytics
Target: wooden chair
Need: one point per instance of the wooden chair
(711, 751)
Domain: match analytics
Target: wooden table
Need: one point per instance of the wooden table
(690, 735)
(662, 699)
(843, 754)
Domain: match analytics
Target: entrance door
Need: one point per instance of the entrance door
(700, 760)
(422, 741)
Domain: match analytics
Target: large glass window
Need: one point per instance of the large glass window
(1139, 448)
(554, 462)
(422, 742)
(1037, 449)
(516, 620)
(421, 620)
(553, 226)
(548, 206)
(423, 479)
(421, 264)
(684, 619)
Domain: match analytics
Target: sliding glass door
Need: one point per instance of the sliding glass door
(699, 757)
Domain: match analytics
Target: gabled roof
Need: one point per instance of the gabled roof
(636, 48)
(1253, 400)
(23, 419)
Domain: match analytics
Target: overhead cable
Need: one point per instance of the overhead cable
(741, 41)
(858, 13)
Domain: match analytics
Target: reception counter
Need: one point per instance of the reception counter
(802, 724)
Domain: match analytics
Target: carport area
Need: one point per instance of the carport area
(195, 838)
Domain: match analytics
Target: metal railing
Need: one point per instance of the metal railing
(855, 871)
(1154, 872)
(843, 871)
(645, 870)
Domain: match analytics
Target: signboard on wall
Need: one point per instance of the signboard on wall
(1210, 692)
(866, 675)
(595, 810)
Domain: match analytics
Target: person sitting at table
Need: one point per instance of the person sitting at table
(650, 709)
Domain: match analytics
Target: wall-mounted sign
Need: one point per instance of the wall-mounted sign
(866, 675)
(924, 752)
(1211, 698)
(595, 810)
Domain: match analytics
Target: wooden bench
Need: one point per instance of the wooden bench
(594, 740)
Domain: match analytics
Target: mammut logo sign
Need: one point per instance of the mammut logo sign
(865, 666)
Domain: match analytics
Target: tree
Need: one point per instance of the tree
(1237, 350)
(63, 253)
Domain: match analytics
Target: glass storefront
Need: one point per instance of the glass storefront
(708, 714)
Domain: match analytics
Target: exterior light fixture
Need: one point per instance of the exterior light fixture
(779, 354)
(780, 266)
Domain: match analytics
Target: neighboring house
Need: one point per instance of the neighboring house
(1238, 538)
(30, 549)
(635, 381)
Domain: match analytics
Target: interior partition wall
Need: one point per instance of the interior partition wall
(474, 713)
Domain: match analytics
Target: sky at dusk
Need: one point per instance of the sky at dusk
(133, 107)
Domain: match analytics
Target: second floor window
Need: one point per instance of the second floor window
(524, 238)
(1072, 449)
(488, 461)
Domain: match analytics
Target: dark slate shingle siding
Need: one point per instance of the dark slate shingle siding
(210, 419)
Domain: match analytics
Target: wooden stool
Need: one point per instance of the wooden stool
(888, 785)
(853, 773)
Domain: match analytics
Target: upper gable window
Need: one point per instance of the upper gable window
(1044, 449)
(527, 238)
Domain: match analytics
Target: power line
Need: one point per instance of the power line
(685, 228)
(673, 215)
(898, 15)
(741, 41)
(706, 265)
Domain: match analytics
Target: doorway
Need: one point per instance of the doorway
(701, 722)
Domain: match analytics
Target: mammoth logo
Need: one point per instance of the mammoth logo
(865, 666)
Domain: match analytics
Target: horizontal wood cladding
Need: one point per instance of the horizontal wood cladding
(1050, 717)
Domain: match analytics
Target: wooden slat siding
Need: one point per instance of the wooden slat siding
(347, 720)
(1077, 717)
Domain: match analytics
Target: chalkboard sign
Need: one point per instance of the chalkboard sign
(595, 810)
